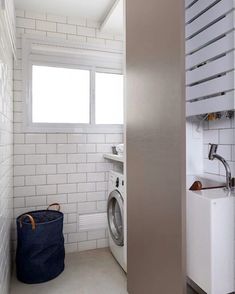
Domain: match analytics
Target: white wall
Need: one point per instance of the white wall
(65, 168)
(199, 136)
(220, 132)
(6, 156)
(194, 147)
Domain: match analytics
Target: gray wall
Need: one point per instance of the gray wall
(155, 146)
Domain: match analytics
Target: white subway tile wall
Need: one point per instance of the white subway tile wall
(6, 160)
(65, 168)
(220, 132)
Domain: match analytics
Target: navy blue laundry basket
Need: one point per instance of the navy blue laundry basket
(40, 245)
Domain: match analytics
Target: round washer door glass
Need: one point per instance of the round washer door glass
(115, 217)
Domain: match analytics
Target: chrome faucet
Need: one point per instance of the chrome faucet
(212, 155)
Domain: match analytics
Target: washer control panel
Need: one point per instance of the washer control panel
(116, 181)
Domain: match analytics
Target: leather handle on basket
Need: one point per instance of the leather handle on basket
(31, 220)
(54, 204)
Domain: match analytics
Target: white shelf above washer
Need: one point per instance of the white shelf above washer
(114, 157)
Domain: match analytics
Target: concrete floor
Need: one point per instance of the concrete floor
(90, 272)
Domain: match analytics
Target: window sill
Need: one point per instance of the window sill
(71, 128)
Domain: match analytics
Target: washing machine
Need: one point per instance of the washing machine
(116, 213)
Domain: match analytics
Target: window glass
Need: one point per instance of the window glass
(60, 95)
(108, 98)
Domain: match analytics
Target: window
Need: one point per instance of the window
(60, 95)
(109, 98)
(71, 87)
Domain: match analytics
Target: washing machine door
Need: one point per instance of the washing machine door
(115, 217)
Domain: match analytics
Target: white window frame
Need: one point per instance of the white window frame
(97, 60)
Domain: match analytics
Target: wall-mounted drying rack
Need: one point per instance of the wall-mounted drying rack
(210, 59)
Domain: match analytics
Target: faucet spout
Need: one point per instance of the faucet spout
(212, 155)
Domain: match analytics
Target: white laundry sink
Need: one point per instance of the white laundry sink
(210, 237)
(207, 180)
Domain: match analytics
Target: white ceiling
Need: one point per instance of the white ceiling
(114, 22)
(95, 10)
